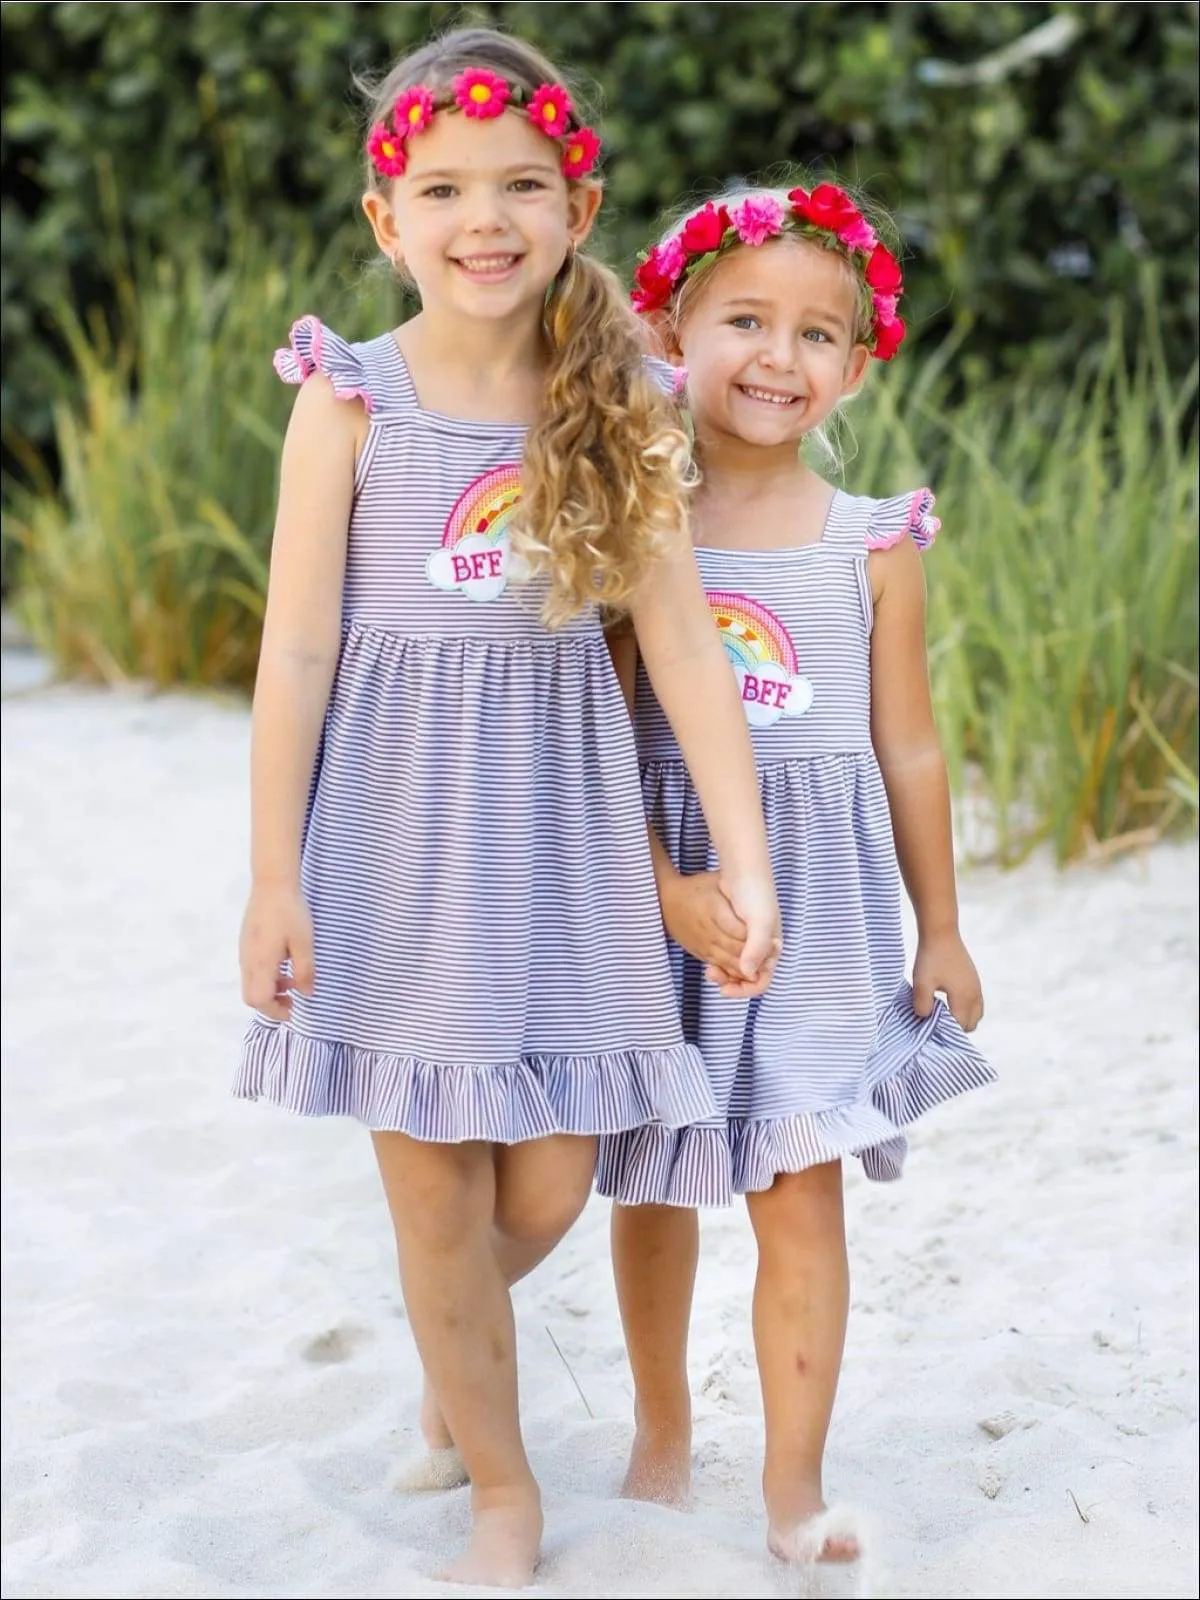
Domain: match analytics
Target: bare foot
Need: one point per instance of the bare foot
(506, 1538)
(660, 1468)
(816, 1535)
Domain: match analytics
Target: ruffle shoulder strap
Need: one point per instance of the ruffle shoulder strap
(904, 516)
(312, 347)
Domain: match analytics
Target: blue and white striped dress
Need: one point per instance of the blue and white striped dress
(832, 1060)
(489, 953)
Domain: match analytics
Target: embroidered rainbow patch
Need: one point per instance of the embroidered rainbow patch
(474, 558)
(485, 507)
(763, 657)
(750, 633)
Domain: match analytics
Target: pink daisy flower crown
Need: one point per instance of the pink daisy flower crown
(827, 214)
(479, 93)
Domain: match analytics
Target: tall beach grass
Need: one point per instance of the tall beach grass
(1063, 591)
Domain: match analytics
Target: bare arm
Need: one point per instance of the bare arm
(691, 677)
(301, 636)
(622, 647)
(695, 911)
(910, 758)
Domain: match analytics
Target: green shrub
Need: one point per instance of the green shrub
(1029, 186)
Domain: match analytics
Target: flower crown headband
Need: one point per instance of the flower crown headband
(482, 94)
(827, 213)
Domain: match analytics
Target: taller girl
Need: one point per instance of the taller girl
(444, 777)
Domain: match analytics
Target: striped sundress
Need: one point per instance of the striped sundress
(489, 953)
(832, 1060)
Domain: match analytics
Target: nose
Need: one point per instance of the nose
(485, 211)
(779, 353)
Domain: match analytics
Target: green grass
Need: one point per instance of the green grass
(1063, 591)
(150, 560)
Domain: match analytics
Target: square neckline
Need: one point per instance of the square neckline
(443, 418)
(782, 549)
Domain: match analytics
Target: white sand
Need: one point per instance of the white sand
(208, 1374)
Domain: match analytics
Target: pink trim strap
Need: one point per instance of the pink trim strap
(313, 348)
(903, 517)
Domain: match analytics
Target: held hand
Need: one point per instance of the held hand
(943, 966)
(276, 928)
(699, 917)
(753, 900)
(701, 920)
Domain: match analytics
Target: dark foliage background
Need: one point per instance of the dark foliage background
(1032, 171)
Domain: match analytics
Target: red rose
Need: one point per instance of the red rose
(889, 336)
(654, 288)
(826, 207)
(883, 271)
(704, 230)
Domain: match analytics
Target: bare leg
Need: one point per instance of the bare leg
(442, 1199)
(541, 1187)
(654, 1251)
(801, 1300)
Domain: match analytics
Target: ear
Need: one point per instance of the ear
(383, 225)
(583, 202)
(666, 340)
(856, 368)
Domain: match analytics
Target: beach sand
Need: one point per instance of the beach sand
(208, 1375)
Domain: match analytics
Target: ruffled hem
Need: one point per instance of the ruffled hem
(918, 1063)
(527, 1098)
(905, 516)
(313, 347)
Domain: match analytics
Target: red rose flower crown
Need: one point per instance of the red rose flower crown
(827, 214)
(482, 94)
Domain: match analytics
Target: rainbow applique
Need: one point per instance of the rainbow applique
(763, 657)
(475, 557)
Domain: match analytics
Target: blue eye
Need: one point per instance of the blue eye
(743, 322)
(817, 336)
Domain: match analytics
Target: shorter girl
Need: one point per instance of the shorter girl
(774, 302)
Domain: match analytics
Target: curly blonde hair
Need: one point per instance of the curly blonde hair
(607, 463)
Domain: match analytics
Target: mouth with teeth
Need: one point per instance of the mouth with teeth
(770, 397)
(486, 269)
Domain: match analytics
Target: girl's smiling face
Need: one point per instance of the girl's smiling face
(769, 342)
(483, 218)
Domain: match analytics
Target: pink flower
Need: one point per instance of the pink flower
(672, 258)
(883, 271)
(386, 150)
(654, 287)
(550, 110)
(581, 150)
(885, 306)
(704, 230)
(413, 111)
(858, 235)
(757, 219)
(480, 93)
(889, 336)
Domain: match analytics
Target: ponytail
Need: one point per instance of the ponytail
(607, 464)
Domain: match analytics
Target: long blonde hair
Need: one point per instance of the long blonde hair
(607, 464)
